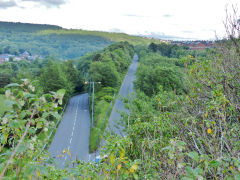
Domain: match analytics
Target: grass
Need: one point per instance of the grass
(3, 106)
(116, 37)
(100, 122)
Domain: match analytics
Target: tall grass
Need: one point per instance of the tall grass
(100, 122)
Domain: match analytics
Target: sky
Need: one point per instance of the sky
(167, 19)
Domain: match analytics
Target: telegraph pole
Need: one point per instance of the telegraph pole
(91, 82)
(92, 103)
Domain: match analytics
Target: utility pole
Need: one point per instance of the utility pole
(90, 88)
(92, 103)
(86, 82)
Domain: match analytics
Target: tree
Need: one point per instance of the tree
(105, 73)
(149, 79)
(53, 78)
(72, 74)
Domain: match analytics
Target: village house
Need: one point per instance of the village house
(25, 55)
(4, 57)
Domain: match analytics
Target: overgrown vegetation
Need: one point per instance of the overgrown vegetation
(193, 134)
(3, 106)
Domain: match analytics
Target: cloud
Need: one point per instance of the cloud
(135, 15)
(49, 2)
(188, 32)
(162, 35)
(7, 4)
(4, 4)
(167, 15)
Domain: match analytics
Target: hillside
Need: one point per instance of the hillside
(53, 40)
(112, 36)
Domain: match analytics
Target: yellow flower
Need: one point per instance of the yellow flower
(119, 167)
(133, 168)
(209, 131)
(206, 114)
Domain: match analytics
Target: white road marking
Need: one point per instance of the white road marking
(74, 125)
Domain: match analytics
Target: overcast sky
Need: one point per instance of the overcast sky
(194, 19)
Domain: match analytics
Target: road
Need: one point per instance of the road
(73, 132)
(115, 124)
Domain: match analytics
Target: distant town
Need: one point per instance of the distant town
(193, 45)
(13, 58)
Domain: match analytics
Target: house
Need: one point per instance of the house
(4, 57)
(24, 55)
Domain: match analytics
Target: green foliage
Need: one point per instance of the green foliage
(72, 75)
(150, 79)
(104, 73)
(193, 135)
(156, 71)
(30, 114)
(51, 74)
(100, 122)
(168, 50)
(3, 106)
(53, 78)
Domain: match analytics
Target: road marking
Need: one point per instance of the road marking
(75, 119)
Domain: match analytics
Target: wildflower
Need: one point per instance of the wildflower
(119, 167)
(209, 131)
(133, 168)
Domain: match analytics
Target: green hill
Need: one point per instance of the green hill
(53, 40)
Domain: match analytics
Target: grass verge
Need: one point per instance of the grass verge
(100, 122)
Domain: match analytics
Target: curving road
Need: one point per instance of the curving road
(73, 132)
(115, 124)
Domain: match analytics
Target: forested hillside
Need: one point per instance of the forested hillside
(46, 40)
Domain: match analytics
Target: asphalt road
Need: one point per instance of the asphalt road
(73, 132)
(115, 124)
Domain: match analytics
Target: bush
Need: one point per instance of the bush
(2, 90)
(149, 79)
